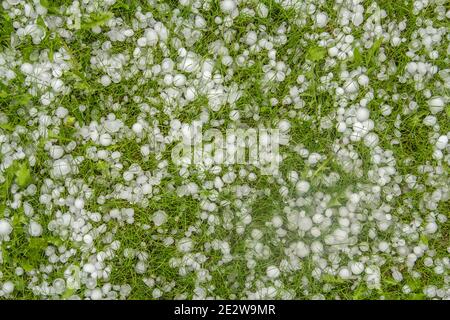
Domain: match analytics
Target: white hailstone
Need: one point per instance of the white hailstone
(89, 268)
(105, 80)
(273, 272)
(431, 227)
(357, 267)
(234, 115)
(137, 128)
(371, 140)
(442, 142)
(277, 221)
(26, 68)
(8, 287)
(5, 228)
(302, 186)
(61, 112)
(159, 218)
(34, 229)
(87, 238)
(105, 139)
(156, 293)
(345, 274)
(179, 80)
(190, 93)
(284, 125)
(185, 245)
(363, 80)
(251, 38)
(189, 63)
(357, 19)
(321, 19)
(142, 42)
(429, 121)
(333, 51)
(79, 203)
(61, 167)
(351, 86)
(301, 249)
(227, 6)
(436, 104)
(57, 85)
(262, 10)
(140, 267)
(305, 223)
(56, 152)
(341, 126)
(96, 294)
(151, 37)
(362, 114)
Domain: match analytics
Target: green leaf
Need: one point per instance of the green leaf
(23, 175)
(316, 53)
(27, 267)
(357, 56)
(332, 279)
(97, 20)
(68, 293)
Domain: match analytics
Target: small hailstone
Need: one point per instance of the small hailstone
(351, 86)
(362, 114)
(436, 104)
(142, 42)
(8, 287)
(57, 85)
(26, 68)
(56, 152)
(96, 294)
(284, 125)
(105, 139)
(302, 186)
(344, 273)
(159, 218)
(341, 126)
(105, 80)
(140, 267)
(442, 142)
(273, 272)
(305, 223)
(5, 227)
(262, 10)
(34, 229)
(357, 267)
(251, 38)
(333, 51)
(227, 6)
(431, 227)
(321, 19)
(363, 80)
(137, 128)
(179, 80)
(87, 238)
(61, 167)
(234, 115)
(79, 203)
(185, 245)
(371, 140)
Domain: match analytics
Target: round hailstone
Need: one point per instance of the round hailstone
(185, 245)
(341, 127)
(57, 85)
(179, 80)
(61, 168)
(159, 218)
(351, 86)
(8, 287)
(137, 128)
(140, 267)
(79, 203)
(363, 80)
(34, 229)
(357, 267)
(151, 37)
(301, 249)
(321, 19)
(284, 125)
(251, 38)
(105, 139)
(105, 80)
(305, 223)
(227, 6)
(436, 104)
(5, 227)
(262, 10)
(333, 51)
(56, 152)
(362, 114)
(273, 272)
(302, 186)
(96, 294)
(344, 273)
(371, 140)
(26, 68)
(442, 142)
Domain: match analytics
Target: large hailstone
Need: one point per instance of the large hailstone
(61, 168)
(159, 218)
(5, 228)
(34, 229)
